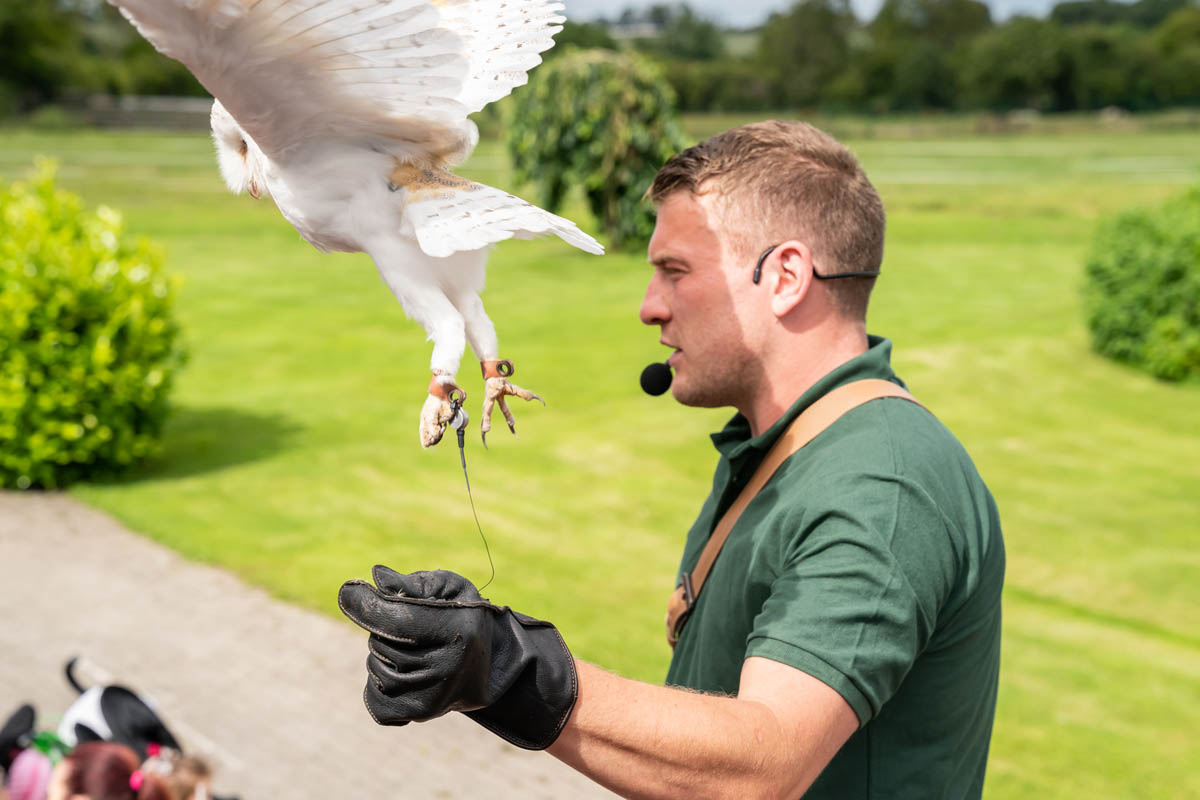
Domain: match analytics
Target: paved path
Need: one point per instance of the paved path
(270, 693)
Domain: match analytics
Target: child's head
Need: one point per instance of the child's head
(189, 778)
(105, 771)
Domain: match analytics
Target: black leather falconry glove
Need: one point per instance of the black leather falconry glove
(437, 646)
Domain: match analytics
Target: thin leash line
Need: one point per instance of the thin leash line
(462, 454)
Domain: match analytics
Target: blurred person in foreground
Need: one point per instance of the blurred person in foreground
(131, 763)
(190, 778)
(846, 643)
(103, 771)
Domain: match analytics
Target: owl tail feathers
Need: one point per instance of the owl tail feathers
(453, 215)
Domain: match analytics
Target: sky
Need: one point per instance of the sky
(747, 13)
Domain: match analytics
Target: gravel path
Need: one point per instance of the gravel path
(271, 694)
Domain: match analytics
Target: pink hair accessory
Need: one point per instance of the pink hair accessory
(135, 780)
(29, 775)
(153, 750)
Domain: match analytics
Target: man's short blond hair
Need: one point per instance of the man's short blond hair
(780, 180)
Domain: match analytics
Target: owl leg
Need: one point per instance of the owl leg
(482, 335)
(444, 399)
(496, 388)
(430, 307)
(445, 327)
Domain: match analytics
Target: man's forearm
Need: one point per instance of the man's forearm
(772, 740)
(652, 741)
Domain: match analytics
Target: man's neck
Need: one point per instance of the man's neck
(792, 376)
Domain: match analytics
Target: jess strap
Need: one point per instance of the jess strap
(811, 422)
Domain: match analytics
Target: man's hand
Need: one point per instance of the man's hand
(437, 646)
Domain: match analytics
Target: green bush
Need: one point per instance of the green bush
(1142, 289)
(87, 339)
(600, 120)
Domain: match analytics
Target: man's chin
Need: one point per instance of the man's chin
(693, 396)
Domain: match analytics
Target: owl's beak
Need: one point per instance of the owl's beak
(254, 190)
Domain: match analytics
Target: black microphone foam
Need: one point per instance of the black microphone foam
(656, 379)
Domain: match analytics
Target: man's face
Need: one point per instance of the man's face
(702, 298)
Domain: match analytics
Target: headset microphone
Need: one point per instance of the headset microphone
(656, 379)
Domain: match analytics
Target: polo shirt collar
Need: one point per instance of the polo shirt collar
(734, 441)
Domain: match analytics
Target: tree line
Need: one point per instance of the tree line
(913, 55)
(54, 50)
(925, 54)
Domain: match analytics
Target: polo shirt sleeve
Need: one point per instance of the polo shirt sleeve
(866, 566)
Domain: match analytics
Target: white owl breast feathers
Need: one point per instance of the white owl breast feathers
(319, 90)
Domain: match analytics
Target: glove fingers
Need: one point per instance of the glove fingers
(391, 582)
(395, 618)
(402, 659)
(395, 681)
(412, 697)
(433, 585)
(380, 708)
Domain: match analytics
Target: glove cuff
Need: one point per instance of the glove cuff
(534, 710)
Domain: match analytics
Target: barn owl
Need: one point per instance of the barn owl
(350, 114)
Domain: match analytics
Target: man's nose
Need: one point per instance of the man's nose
(654, 310)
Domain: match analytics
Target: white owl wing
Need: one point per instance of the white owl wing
(448, 214)
(504, 40)
(404, 70)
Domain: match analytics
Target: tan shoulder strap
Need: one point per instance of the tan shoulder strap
(814, 419)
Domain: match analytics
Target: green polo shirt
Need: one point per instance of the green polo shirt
(873, 561)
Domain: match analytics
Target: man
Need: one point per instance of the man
(846, 642)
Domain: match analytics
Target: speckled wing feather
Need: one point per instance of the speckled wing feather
(504, 38)
(408, 70)
(450, 214)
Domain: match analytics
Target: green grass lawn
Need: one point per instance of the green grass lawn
(292, 457)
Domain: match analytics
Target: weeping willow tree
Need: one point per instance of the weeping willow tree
(603, 121)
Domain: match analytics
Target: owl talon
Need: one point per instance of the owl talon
(439, 409)
(496, 389)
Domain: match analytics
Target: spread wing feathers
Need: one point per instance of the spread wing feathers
(409, 70)
(472, 216)
(505, 40)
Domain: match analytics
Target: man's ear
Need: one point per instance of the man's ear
(793, 276)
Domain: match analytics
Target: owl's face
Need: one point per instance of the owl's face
(239, 158)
